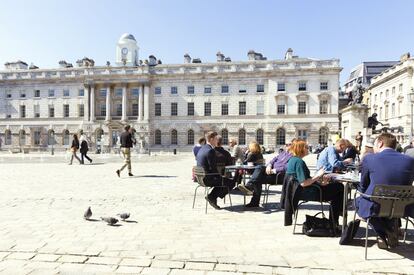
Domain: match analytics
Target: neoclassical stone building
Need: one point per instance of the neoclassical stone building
(169, 105)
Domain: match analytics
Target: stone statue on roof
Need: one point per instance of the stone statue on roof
(357, 94)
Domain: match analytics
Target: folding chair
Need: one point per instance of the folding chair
(279, 175)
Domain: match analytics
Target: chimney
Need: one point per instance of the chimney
(187, 58)
(251, 55)
(152, 60)
(220, 57)
(289, 54)
(18, 65)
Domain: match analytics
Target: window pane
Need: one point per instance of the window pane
(157, 109)
(280, 87)
(260, 88)
(242, 107)
(190, 108)
(280, 136)
(224, 109)
(190, 90)
(224, 89)
(190, 137)
(242, 137)
(174, 108)
(207, 108)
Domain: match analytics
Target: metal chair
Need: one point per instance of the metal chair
(279, 175)
(200, 174)
(392, 199)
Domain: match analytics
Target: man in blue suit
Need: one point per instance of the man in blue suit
(206, 158)
(386, 166)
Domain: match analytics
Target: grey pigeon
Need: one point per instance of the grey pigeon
(123, 216)
(88, 213)
(110, 220)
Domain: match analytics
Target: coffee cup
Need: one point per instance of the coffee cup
(250, 164)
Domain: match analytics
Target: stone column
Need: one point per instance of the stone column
(108, 103)
(124, 103)
(141, 103)
(92, 104)
(87, 113)
(146, 103)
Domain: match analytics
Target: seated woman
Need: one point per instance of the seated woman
(254, 154)
(307, 190)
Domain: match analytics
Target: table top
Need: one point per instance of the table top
(242, 167)
(345, 177)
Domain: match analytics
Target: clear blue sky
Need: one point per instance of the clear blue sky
(46, 31)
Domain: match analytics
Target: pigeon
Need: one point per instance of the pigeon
(110, 220)
(88, 213)
(123, 216)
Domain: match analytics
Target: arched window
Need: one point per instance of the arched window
(66, 137)
(174, 137)
(242, 137)
(22, 138)
(157, 137)
(323, 135)
(280, 136)
(7, 137)
(225, 136)
(259, 136)
(50, 137)
(190, 137)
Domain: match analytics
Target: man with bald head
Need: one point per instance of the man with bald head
(329, 158)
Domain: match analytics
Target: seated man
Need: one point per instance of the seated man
(329, 158)
(262, 175)
(389, 167)
(222, 155)
(207, 159)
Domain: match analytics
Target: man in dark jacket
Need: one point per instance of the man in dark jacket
(84, 148)
(126, 145)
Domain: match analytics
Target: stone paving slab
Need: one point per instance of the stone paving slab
(165, 234)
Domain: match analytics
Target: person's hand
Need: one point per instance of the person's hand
(320, 173)
(269, 170)
(348, 161)
(326, 179)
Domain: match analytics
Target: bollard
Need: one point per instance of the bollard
(149, 152)
(175, 151)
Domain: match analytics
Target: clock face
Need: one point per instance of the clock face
(124, 50)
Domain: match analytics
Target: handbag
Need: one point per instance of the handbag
(349, 232)
(318, 227)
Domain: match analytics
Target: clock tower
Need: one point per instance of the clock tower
(127, 51)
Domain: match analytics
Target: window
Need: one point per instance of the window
(225, 136)
(393, 110)
(190, 137)
(157, 137)
(36, 93)
(103, 109)
(66, 137)
(174, 137)
(380, 97)
(324, 86)
(135, 109)
(323, 107)
(102, 92)
(22, 94)
(259, 136)
(7, 137)
(375, 98)
(119, 109)
(393, 91)
(174, 107)
(242, 91)
(260, 88)
(207, 108)
(22, 138)
(380, 113)
(81, 110)
(81, 92)
(51, 93)
(281, 109)
(135, 92)
(22, 111)
(36, 109)
(260, 107)
(386, 111)
(242, 107)
(190, 108)
(224, 109)
(157, 90)
(399, 108)
(37, 137)
(66, 110)
(387, 93)
(323, 136)
(224, 89)
(118, 92)
(281, 87)
(302, 86)
(242, 137)
(302, 134)
(50, 137)
(157, 109)
(51, 111)
(66, 93)
(174, 90)
(400, 88)
(302, 107)
(190, 90)
(207, 90)
(280, 137)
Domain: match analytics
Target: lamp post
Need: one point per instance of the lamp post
(411, 98)
(52, 137)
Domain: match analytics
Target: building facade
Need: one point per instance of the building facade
(169, 106)
(388, 96)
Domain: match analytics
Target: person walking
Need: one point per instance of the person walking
(126, 145)
(74, 148)
(84, 148)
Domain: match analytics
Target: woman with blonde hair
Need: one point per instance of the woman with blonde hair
(254, 154)
(307, 189)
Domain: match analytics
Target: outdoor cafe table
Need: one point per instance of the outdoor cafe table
(350, 182)
(244, 168)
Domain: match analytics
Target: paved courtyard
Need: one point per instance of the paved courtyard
(43, 231)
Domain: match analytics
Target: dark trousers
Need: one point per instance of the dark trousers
(219, 181)
(256, 180)
(83, 154)
(384, 226)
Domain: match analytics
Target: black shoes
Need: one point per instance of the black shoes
(212, 202)
(252, 205)
(130, 174)
(118, 173)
